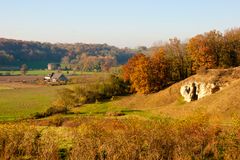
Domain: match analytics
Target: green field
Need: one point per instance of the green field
(20, 103)
(19, 100)
(110, 109)
(43, 72)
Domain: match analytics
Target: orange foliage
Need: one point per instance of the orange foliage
(175, 61)
(147, 74)
(206, 50)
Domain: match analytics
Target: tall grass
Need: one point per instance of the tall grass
(132, 138)
(20, 141)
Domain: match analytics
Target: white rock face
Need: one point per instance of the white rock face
(196, 90)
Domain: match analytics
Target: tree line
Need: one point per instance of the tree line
(176, 60)
(97, 57)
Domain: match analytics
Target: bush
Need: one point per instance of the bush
(65, 98)
(56, 121)
(56, 110)
(51, 111)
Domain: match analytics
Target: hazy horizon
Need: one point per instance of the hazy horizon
(123, 23)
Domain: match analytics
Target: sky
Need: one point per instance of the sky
(123, 23)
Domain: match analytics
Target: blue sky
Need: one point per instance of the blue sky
(129, 23)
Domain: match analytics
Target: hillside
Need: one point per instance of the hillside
(37, 55)
(222, 105)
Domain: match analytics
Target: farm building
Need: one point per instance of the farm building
(56, 77)
(53, 66)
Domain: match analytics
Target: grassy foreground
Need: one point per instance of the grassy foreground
(119, 138)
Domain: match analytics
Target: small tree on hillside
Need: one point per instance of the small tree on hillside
(24, 69)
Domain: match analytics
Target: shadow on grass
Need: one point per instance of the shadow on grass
(125, 111)
(131, 111)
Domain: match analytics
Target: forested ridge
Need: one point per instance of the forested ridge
(37, 55)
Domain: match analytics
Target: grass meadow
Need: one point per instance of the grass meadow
(44, 72)
(21, 103)
(24, 102)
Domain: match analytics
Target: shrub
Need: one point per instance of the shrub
(65, 98)
(56, 110)
(38, 115)
(51, 111)
(56, 121)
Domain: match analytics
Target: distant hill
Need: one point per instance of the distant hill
(37, 55)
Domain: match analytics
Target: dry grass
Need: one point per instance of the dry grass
(29, 79)
(130, 138)
(222, 105)
(17, 85)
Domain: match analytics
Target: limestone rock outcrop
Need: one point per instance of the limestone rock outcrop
(207, 83)
(196, 90)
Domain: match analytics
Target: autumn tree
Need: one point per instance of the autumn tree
(128, 68)
(178, 59)
(136, 71)
(206, 50)
(107, 62)
(215, 50)
(141, 78)
(215, 43)
(159, 75)
(232, 47)
(147, 74)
